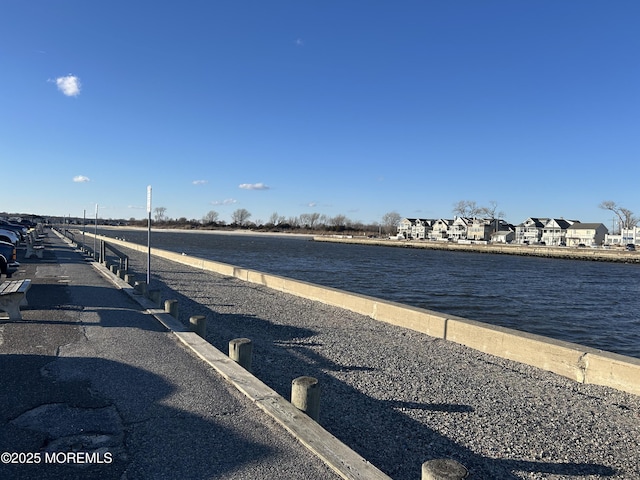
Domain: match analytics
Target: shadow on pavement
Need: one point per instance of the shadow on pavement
(47, 404)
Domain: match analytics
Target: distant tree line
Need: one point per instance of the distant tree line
(303, 223)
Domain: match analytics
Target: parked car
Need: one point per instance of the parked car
(9, 236)
(630, 247)
(8, 264)
(19, 229)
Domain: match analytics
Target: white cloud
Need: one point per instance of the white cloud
(81, 179)
(299, 42)
(200, 182)
(312, 204)
(253, 186)
(69, 85)
(228, 201)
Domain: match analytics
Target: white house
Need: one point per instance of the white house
(404, 227)
(440, 229)
(627, 235)
(555, 231)
(459, 228)
(503, 236)
(421, 228)
(530, 231)
(588, 234)
(415, 228)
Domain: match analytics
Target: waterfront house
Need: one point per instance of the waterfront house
(415, 228)
(480, 229)
(588, 234)
(404, 227)
(421, 228)
(440, 229)
(503, 236)
(530, 231)
(555, 231)
(459, 228)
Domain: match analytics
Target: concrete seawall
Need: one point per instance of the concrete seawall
(580, 363)
(594, 254)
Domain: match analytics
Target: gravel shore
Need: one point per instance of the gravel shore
(399, 398)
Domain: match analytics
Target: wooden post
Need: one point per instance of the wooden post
(198, 324)
(129, 278)
(443, 469)
(305, 396)
(171, 307)
(241, 351)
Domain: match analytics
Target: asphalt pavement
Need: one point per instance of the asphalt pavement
(94, 387)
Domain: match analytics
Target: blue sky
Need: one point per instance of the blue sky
(337, 107)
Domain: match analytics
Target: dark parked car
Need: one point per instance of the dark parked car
(630, 247)
(8, 262)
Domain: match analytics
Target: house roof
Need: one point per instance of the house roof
(537, 221)
(561, 223)
(585, 226)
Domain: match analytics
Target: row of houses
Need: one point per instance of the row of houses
(548, 231)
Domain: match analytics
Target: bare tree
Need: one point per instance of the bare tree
(469, 208)
(274, 219)
(293, 221)
(390, 221)
(159, 214)
(310, 219)
(466, 208)
(210, 217)
(625, 216)
(240, 216)
(491, 211)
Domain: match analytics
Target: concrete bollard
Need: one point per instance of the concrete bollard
(140, 287)
(171, 307)
(443, 469)
(241, 352)
(305, 396)
(154, 296)
(198, 324)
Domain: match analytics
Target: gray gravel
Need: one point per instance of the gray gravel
(400, 398)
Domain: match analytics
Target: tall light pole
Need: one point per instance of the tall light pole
(95, 233)
(149, 235)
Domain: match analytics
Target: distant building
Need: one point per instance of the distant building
(503, 236)
(459, 228)
(440, 229)
(627, 235)
(587, 234)
(415, 228)
(530, 231)
(555, 231)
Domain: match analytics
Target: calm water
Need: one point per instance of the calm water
(590, 303)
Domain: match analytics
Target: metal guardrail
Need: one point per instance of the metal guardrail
(124, 259)
(100, 253)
